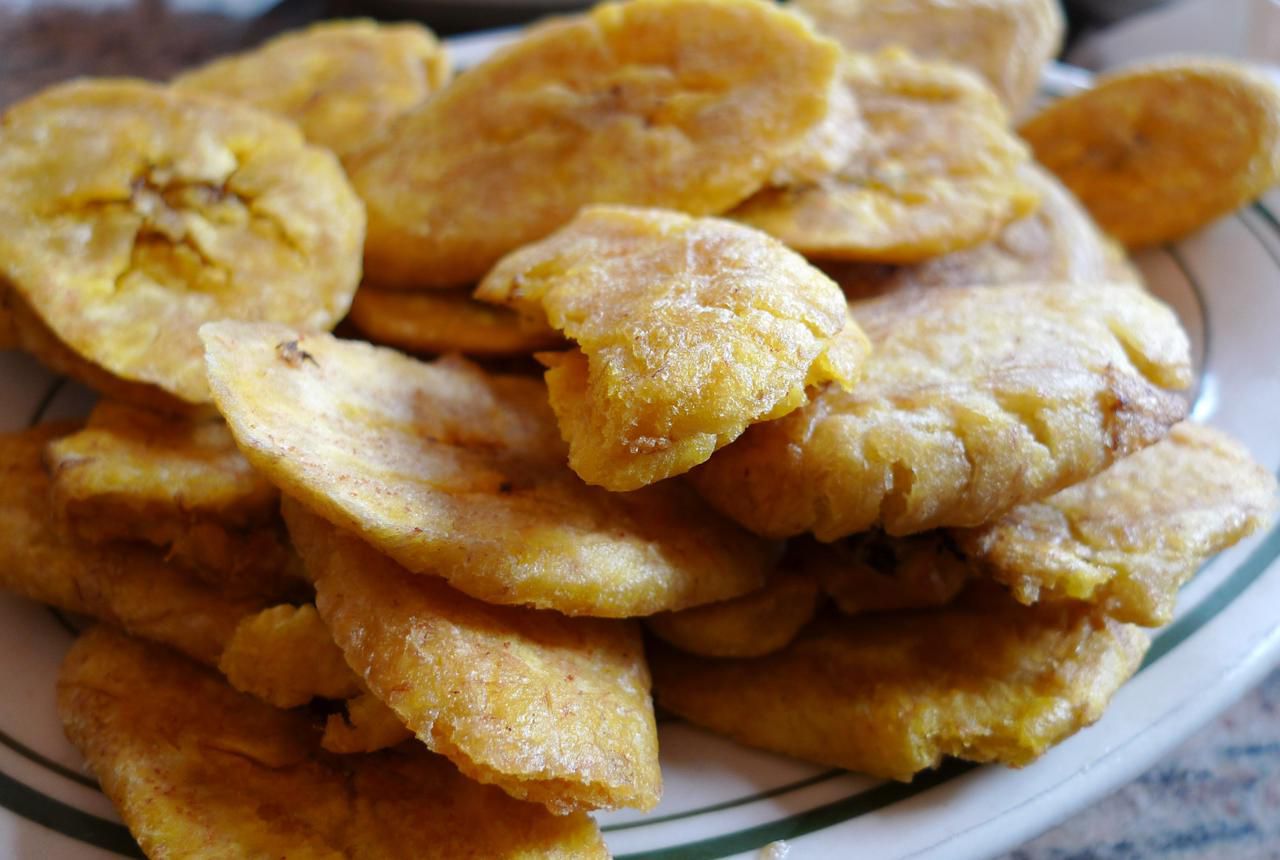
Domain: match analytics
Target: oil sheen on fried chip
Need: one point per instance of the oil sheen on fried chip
(984, 679)
(343, 82)
(198, 770)
(461, 474)
(549, 708)
(1158, 150)
(1128, 538)
(688, 330)
(938, 170)
(686, 104)
(132, 214)
(974, 400)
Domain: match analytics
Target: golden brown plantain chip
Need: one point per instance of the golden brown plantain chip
(688, 330)
(132, 214)
(975, 399)
(551, 709)
(365, 725)
(461, 474)
(1008, 42)
(685, 104)
(129, 586)
(199, 770)
(984, 679)
(1128, 538)
(343, 82)
(938, 171)
(177, 483)
(8, 330)
(752, 625)
(440, 321)
(872, 572)
(1157, 150)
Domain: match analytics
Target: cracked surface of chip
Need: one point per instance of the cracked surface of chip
(1128, 538)
(462, 474)
(343, 82)
(938, 170)
(199, 770)
(688, 330)
(686, 104)
(1158, 150)
(132, 214)
(551, 709)
(974, 400)
(984, 679)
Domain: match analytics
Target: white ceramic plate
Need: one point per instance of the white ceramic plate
(724, 800)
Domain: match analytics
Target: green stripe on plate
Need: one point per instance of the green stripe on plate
(67, 820)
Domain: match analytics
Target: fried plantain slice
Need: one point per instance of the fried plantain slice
(550, 709)
(343, 82)
(688, 330)
(752, 625)
(1158, 150)
(1128, 538)
(975, 399)
(1008, 42)
(440, 322)
(8, 327)
(365, 725)
(938, 170)
(685, 104)
(129, 586)
(984, 679)
(181, 484)
(1058, 243)
(132, 214)
(875, 573)
(199, 770)
(461, 474)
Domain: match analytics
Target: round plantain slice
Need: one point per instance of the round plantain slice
(132, 214)
(1158, 150)
(342, 82)
(1006, 41)
(687, 104)
(938, 170)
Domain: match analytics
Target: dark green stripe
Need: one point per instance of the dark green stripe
(1265, 214)
(67, 820)
(47, 763)
(1262, 212)
(43, 405)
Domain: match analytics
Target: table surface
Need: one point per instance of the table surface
(1218, 795)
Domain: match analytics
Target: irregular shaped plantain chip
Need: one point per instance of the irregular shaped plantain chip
(938, 170)
(1158, 150)
(343, 82)
(129, 586)
(366, 724)
(1008, 42)
(550, 709)
(975, 399)
(688, 331)
(1128, 538)
(872, 572)
(984, 679)
(685, 104)
(460, 474)
(199, 770)
(440, 321)
(133, 213)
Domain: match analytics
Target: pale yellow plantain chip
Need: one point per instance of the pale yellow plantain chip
(178, 483)
(688, 331)
(461, 474)
(685, 104)
(748, 626)
(132, 214)
(1008, 42)
(551, 709)
(975, 399)
(985, 679)
(938, 170)
(343, 82)
(875, 573)
(1128, 538)
(440, 321)
(365, 725)
(1158, 150)
(199, 770)
(129, 586)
